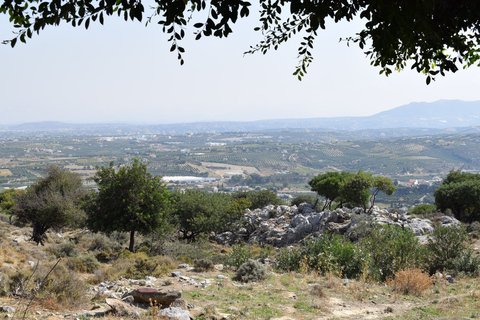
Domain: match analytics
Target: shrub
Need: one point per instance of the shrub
(446, 245)
(423, 209)
(65, 249)
(62, 287)
(83, 263)
(330, 253)
(289, 259)
(411, 281)
(139, 265)
(308, 198)
(110, 244)
(203, 265)
(333, 253)
(474, 229)
(390, 249)
(363, 226)
(251, 271)
(467, 263)
(317, 290)
(102, 256)
(238, 256)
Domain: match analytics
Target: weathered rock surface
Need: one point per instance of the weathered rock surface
(156, 296)
(122, 309)
(284, 225)
(174, 313)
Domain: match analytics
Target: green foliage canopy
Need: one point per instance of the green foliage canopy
(198, 212)
(129, 199)
(460, 192)
(359, 189)
(431, 37)
(8, 198)
(51, 202)
(258, 199)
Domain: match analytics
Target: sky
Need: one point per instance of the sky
(125, 72)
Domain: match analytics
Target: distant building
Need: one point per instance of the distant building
(215, 144)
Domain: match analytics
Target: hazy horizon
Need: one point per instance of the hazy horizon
(124, 72)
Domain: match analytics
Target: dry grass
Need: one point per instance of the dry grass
(411, 281)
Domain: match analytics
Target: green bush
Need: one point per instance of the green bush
(238, 255)
(423, 209)
(308, 198)
(108, 243)
(363, 226)
(202, 265)
(333, 253)
(467, 263)
(289, 259)
(83, 263)
(65, 249)
(139, 265)
(329, 253)
(251, 271)
(390, 249)
(474, 229)
(446, 248)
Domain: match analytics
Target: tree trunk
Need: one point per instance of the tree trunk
(38, 233)
(132, 240)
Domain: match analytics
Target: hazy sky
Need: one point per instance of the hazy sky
(124, 71)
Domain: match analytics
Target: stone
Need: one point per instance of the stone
(174, 313)
(176, 274)
(157, 296)
(122, 309)
(7, 309)
(448, 221)
(183, 266)
(128, 299)
(179, 303)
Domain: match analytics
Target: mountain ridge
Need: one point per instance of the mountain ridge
(440, 114)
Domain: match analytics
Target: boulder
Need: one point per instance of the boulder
(173, 313)
(157, 296)
(448, 221)
(7, 309)
(122, 309)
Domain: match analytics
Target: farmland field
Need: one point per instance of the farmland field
(286, 160)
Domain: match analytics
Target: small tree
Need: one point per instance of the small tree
(199, 212)
(328, 186)
(380, 184)
(129, 199)
(7, 201)
(51, 202)
(258, 199)
(355, 189)
(460, 192)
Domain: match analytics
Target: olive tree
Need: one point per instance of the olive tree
(197, 212)
(129, 199)
(51, 202)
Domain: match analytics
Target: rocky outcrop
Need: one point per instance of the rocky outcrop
(284, 225)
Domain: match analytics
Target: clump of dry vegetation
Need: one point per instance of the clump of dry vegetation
(411, 281)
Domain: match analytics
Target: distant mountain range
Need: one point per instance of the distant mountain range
(441, 114)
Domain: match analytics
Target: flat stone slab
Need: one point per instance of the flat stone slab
(157, 296)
